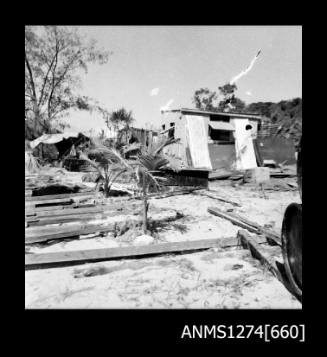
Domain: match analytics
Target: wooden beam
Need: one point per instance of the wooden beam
(45, 202)
(270, 261)
(244, 223)
(42, 221)
(70, 199)
(59, 196)
(45, 233)
(173, 193)
(124, 252)
(31, 210)
(83, 210)
(70, 218)
(251, 243)
(35, 235)
(218, 198)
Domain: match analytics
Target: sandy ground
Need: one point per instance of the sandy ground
(211, 279)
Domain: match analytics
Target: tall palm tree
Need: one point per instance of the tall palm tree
(121, 117)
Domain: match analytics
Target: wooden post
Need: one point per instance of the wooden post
(146, 206)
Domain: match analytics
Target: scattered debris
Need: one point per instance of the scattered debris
(244, 223)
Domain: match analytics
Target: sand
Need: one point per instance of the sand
(212, 279)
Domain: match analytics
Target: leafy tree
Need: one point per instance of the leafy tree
(54, 57)
(204, 99)
(227, 89)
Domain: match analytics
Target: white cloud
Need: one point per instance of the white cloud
(248, 93)
(167, 106)
(154, 91)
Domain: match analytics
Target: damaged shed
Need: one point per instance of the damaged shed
(212, 140)
(56, 147)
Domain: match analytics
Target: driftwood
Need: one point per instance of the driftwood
(245, 223)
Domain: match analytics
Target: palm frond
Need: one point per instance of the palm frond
(31, 163)
(174, 163)
(131, 147)
(106, 155)
(92, 163)
(143, 174)
(152, 162)
(161, 144)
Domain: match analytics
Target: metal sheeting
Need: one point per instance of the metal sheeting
(221, 125)
(245, 155)
(53, 138)
(197, 140)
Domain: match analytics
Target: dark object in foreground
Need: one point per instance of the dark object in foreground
(292, 237)
(292, 245)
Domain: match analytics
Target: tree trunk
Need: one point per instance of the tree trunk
(145, 207)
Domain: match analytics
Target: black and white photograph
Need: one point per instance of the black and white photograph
(163, 167)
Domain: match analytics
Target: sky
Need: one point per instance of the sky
(153, 65)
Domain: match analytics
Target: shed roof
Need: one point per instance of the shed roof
(234, 115)
(54, 138)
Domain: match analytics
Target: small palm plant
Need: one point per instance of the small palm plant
(149, 163)
(108, 162)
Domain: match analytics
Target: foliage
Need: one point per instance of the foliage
(287, 113)
(54, 56)
(110, 164)
(205, 99)
(120, 118)
(32, 164)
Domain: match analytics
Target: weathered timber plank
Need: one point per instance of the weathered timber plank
(276, 266)
(252, 244)
(218, 198)
(83, 209)
(168, 194)
(44, 202)
(32, 235)
(244, 223)
(124, 252)
(37, 221)
(45, 233)
(31, 210)
(58, 201)
(59, 196)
